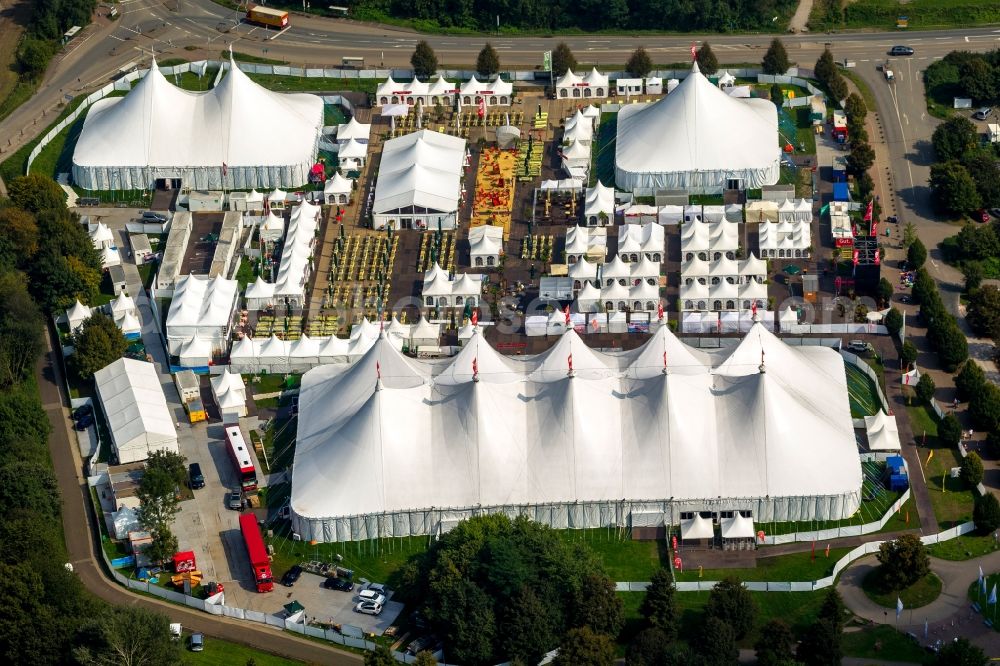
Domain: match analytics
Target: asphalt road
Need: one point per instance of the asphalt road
(81, 542)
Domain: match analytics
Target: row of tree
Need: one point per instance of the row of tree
(965, 176)
(639, 64)
(943, 332)
(46, 616)
(587, 15)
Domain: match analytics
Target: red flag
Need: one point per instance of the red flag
(475, 317)
(694, 52)
(595, 324)
(378, 370)
(569, 361)
(753, 309)
(855, 258)
(659, 310)
(813, 556)
(475, 367)
(869, 211)
(566, 312)
(482, 107)
(878, 259)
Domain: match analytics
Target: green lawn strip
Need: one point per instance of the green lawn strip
(862, 86)
(964, 547)
(862, 393)
(921, 593)
(313, 84)
(223, 653)
(623, 558)
(797, 609)
(15, 163)
(881, 641)
(794, 567)
(951, 498)
(57, 155)
(245, 274)
(19, 94)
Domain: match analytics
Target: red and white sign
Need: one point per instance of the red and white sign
(484, 92)
(402, 92)
(843, 242)
(581, 85)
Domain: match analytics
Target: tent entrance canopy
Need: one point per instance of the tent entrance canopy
(696, 528)
(737, 527)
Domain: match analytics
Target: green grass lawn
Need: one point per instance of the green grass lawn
(193, 82)
(964, 547)
(982, 598)
(223, 653)
(311, 84)
(603, 150)
(922, 14)
(56, 157)
(951, 499)
(798, 567)
(623, 558)
(921, 593)
(883, 642)
(862, 393)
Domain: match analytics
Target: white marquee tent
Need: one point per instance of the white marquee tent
(883, 433)
(394, 446)
(697, 138)
(159, 130)
(136, 409)
(201, 307)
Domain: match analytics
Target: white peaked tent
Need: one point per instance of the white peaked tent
(102, 237)
(485, 245)
(737, 527)
(195, 353)
(259, 294)
(390, 445)
(201, 307)
(352, 129)
(722, 139)
(272, 228)
(159, 130)
(244, 357)
(230, 393)
(255, 200)
(643, 240)
(277, 198)
(136, 409)
(110, 257)
(696, 528)
(788, 318)
(337, 189)
(77, 314)
(599, 199)
(883, 433)
(121, 305)
(129, 324)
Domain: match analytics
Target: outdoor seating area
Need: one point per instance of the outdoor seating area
(437, 247)
(361, 266)
(323, 326)
(561, 206)
(494, 197)
(285, 328)
(369, 298)
(529, 159)
(491, 119)
(537, 246)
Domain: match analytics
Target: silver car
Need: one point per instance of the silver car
(368, 608)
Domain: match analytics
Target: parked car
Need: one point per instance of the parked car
(368, 608)
(900, 50)
(83, 410)
(234, 500)
(983, 113)
(291, 576)
(371, 595)
(84, 422)
(858, 346)
(195, 478)
(197, 642)
(155, 218)
(375, 587)
(341, 584)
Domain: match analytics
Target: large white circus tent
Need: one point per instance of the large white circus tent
(392, 446)
(697, 138)
(257, 137)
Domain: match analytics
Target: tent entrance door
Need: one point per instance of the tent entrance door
(406, 223)
(734, 184)
(168, 183)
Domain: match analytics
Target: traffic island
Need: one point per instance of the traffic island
(922, 592)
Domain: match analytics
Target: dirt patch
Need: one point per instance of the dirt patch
(12, 20)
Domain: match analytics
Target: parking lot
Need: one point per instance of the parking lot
(331, 606)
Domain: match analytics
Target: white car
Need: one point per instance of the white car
(368, 608)
(372, 596)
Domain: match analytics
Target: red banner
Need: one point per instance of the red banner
(843, 242)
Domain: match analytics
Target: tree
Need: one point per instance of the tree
(894, 321)
(424, 61)
(776, 644)
(977, 78)
(659, 606)
(158, 502)
(983, 311)
(986, 513)
(598, 606)
(776, 59)
(972, 469)
(127, 635)
(825, 67)
(950, 431)
(952, 188)
(28, 485)
(960, 652)
(21, 326)
(380, 656)
(984, 408)
(903, 562)
(974, 274)
(884, 291)
(854, 107)
(33, 57)
(531, 629)
(18, 236)
(425, 658)
(970, 380)
(925, 388)
(707, 62)
(98, 343)
(950, 342)
(916, 255)
(585, 647)
(860, 159)
(859, 136)
(562, 59)
(953, 138)
(648, 648)
(57, 281)
(35, 193)
(909, 234)
(715, 642)
(821, 645)
(777, 95)
(982, 166)
(837, 87)
(488, 62)
(833, 608)
(908, 354)
(639, 63)
(730, 601)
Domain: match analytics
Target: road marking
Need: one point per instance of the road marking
(967, 39)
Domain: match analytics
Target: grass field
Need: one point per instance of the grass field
(223, 653)
(862, 393)
(982, 598)
(922, 14)
(623, 558)
(921, 593)
(309, 84)
(951, 499)
(883, 642)
(964, 547)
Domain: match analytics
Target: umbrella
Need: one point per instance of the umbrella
(792, 269)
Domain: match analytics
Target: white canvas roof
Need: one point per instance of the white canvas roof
(136, 408)
(420, 169)
(338, 184)
(527, 434)
(122, 304)
(737, 527)
(128, 323)
(486, 240)
(697, 136)
(228, 381)
(101, 234)
(582, 270)
(160, 125)
(600, 199)
(580, 240)
(640, 238)
(352, 129)
(698, 527)
(883, 433)
(202, 302)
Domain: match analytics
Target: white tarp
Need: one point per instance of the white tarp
(390, 445)
(722, 137)
(159, 130)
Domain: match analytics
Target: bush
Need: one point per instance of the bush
(950, 431)
(986, 513)
(972, 469)
(925, 388)
(916, 254)
(983, 312)
(894, 321)
(903, 562)
(908, 354)
(776, 59)
(639, 63)
(953, 138)
(970, 380)
(730, 601)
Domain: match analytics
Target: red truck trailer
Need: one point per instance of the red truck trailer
(266, 16)
(257, 552)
